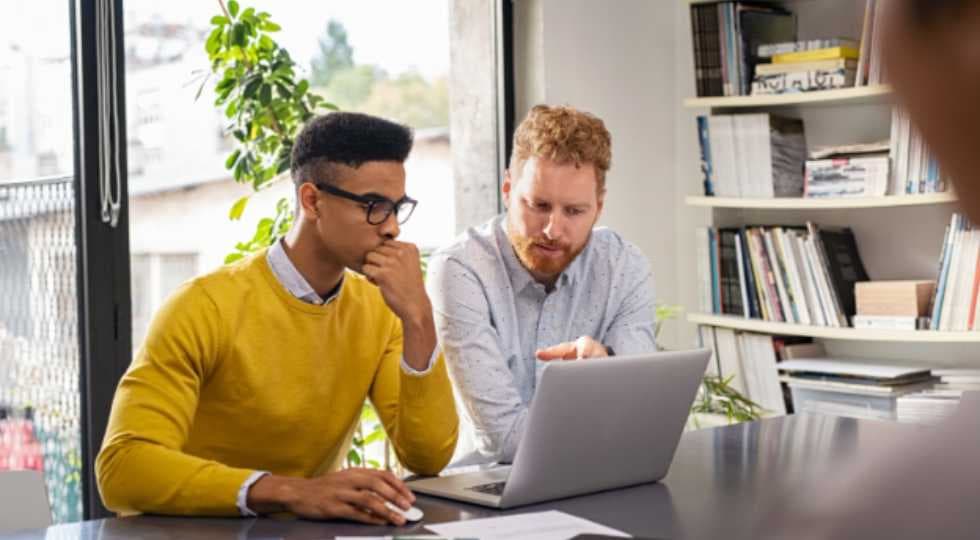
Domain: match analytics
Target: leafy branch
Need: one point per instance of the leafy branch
(266, 105)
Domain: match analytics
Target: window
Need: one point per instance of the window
(180, 192)
(39, 355)
(154, 277)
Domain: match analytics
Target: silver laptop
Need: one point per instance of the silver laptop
(593, 425)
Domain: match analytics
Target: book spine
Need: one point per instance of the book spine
(803, 81)
(750, 277)
(863, 61)
(706, 163)
(831, 53)
(795, 276)
(743, 285)
(764, 278)
(696, 39)
(715, 283)
(973, 295)
(824, 261)
(947, 253)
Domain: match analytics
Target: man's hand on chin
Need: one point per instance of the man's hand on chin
(583, 347)
(395, 267)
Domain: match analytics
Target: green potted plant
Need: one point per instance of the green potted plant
(717, 402)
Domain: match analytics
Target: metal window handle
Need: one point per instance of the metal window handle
(110, 173)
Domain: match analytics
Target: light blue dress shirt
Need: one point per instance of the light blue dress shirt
(491, 316)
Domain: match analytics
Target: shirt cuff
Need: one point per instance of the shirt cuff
(409, 370)
(243, 508)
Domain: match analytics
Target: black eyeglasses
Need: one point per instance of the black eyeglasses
(378, 208)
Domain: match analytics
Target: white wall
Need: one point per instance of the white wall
(616, 60)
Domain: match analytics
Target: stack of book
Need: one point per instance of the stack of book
(855, 388)
(801, 275)
(914, 167)
(893, 305)
(752, 155)
(749, 361)
(726, 37)
(955, 306)
(859, 170)
(806, 66)
(933, 405)
(927, 406)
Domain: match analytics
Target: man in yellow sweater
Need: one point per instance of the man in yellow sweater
(251, 378)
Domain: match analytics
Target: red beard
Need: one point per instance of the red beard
(541, 256)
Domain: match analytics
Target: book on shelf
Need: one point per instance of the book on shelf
(914, 168)
(901, 299)
(749, 361)
(875, 9)
(865, 372)
(831, 53)
(726, 36)
(839, 177)
(958, 378)
(799, 275)
(954, 306)
(861, 388)
(864, 48)
(752, 155)
(820, 65)
(802, 81)
(927, 406)
(943, 399)
(769, 50)
(890, 322)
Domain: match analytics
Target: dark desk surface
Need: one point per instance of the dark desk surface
(720, 485)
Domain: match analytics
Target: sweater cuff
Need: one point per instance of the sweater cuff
(409, 370)
(243, 508)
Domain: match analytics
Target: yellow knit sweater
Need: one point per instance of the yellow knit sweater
(237, 375)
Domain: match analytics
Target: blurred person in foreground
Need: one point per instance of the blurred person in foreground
(923, 483)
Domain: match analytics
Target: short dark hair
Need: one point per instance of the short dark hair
(346, 138)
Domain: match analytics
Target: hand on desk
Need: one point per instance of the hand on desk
(355, 494)
(583, 347)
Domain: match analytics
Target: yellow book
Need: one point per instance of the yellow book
(832, 53)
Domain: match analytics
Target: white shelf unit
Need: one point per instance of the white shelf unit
(899, 237)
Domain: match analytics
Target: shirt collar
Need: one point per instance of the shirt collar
(290, 278)
(520, 278)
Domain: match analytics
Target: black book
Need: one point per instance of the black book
(698, 34)
(730, 284)
(844, 264)
(760, 25)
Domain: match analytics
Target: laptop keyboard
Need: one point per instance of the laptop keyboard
(496, 488)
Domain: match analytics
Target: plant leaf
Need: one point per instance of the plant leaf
(238, 208)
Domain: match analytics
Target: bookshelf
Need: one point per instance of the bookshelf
(865, 95)
(899, 237)
(821, 332)
(821, 204)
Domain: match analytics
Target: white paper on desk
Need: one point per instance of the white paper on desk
(550, 525)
